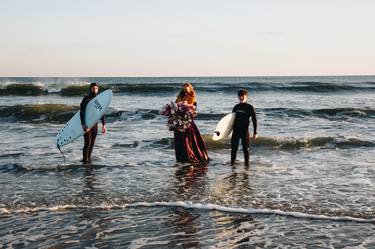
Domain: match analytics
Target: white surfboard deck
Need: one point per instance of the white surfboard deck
(95, 109)
(224, 127)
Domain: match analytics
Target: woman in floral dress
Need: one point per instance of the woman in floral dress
(189, 144)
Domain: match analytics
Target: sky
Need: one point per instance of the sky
(152, 38)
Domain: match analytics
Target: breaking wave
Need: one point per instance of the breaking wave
(80, 88)
(38, 112)
(23, 90)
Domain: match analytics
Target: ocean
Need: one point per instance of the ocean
(310, 183)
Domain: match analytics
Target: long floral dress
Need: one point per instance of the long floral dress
(189, 145)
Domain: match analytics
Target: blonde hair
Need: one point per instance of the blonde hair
(190, 98)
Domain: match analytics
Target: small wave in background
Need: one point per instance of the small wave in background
(79, 86)
(63, 112)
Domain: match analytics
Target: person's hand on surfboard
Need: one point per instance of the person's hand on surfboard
(85, 128)
(104, 129)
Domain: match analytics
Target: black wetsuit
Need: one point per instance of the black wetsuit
(244, 112)
(90, 135)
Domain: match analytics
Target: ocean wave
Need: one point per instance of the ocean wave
(280, 143)
(43, 168)
(145, 88)
(146, 114)
(23, 90)
(189, 205)
(12, 167)
(38, 112)
(225, 87)
(80, 88)
(323, 87)
(315, 87)
(61, 113)
(321, 113)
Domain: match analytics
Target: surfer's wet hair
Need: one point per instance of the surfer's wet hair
(242, 92)
(94, 84)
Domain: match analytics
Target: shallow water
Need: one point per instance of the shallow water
(309, 184)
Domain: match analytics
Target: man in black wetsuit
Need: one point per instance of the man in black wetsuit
(243, 112)
(90, 133)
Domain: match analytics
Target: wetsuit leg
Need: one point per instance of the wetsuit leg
(234, 146)
(86, 146)
(94, 133)
(245, 140)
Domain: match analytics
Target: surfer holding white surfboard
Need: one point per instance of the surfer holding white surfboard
(243, 112)
(90, 133)
(85, 121)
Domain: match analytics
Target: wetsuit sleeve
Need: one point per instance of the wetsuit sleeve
(254, 119)
(234, 109)
(84, 103)
(103, 120)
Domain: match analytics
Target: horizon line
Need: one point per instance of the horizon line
(205, 76)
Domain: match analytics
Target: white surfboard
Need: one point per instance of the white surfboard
(224, 127)
(95, 109)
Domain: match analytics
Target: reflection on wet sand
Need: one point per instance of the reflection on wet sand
(190, 181)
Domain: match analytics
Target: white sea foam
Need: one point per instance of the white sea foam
(40, 84)
(4, 84)
(190, 205)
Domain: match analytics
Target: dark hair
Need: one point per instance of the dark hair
(94, 84)
(242, 92)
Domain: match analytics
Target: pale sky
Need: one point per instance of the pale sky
(186, 38)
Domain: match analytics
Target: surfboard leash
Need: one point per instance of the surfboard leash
(58, 147)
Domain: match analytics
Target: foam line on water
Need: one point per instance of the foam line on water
(240, 210)
(189, 205)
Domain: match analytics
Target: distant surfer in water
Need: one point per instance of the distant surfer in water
(241, 124)
(90, 133)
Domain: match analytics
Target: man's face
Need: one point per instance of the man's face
(94, 89)
(242, 98)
